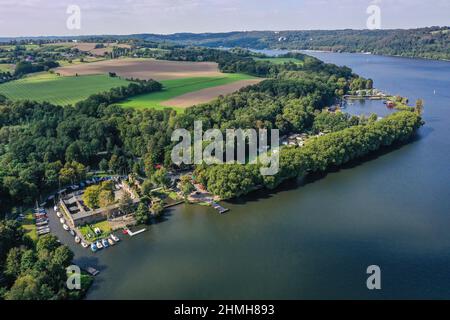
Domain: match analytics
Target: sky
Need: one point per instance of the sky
(49, 17)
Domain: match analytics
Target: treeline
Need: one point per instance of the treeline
(5, 77)
(118, 94)
(34, 271)
(319, 154)
(242, 61)
(432, 42)
(25, 67)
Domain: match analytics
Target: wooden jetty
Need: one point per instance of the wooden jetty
(219, 208)
(132, 234)
(92, 271)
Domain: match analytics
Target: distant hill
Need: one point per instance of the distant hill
(431, 42)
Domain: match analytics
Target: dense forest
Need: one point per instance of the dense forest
(319, 154)
(43, 146)
(34, 271)
(432, 42)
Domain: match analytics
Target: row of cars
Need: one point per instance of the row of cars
(84, 184)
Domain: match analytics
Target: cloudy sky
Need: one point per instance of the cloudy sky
(49, 17)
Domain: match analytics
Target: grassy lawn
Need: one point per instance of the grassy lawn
(89, 229)
(29, 225)
(59, 90)
(177, 87)
(5, 67)
(280, 60)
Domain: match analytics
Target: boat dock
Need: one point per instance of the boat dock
(219, 208)
(41, 221)
(132, 234)
(92, 271)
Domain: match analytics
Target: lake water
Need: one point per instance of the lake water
(314, 239)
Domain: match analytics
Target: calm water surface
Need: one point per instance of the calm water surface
(314, 239)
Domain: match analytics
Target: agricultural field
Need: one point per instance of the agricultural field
(280, 60)
(182, 93)
(65, 63)
(5, 67)
(88, 47)
(58, 90)
(185, 83)
(144, 69)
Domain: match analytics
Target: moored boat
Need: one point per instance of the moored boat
(77, 239)
(58, 214)
(62, 220)
(99, 245)
(105, 243)
(84, 244)
(66, 227)
(115, 238)
(93, 247)
(111, 242)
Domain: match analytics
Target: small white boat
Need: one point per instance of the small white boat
(55, 208)
(111, 242)
(72, 233)
(59, 214)
(105, 243)
(62, 220)
(99, 245)
(77, 239)
(66, 227)
(84, 244)
(115, 238)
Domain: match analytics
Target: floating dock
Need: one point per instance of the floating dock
(132, 234)
(219, 208)
(92, 271)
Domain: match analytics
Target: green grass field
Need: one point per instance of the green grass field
(58, 90)
(280, 60)
(29, 226)
(4, 67)
(176, 87)
(69, 90)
